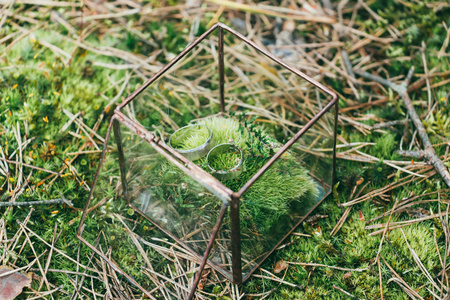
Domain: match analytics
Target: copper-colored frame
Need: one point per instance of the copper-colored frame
(228, 197)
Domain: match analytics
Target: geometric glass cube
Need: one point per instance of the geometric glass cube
(281, 121)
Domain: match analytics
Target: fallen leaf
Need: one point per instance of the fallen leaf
(347, 275)
(204, 278)
(11, 285)
(361, 216)
(280, 266)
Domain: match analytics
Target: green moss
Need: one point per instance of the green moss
(190, 137)
(224, 161)
(226, 130)
(273, 196)
(385, 146)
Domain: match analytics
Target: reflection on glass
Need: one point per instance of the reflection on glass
(286, 193)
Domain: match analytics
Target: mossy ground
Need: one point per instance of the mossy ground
(36, 85)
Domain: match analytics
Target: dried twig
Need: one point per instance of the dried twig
(428, 153)
(44, 202)
(331, 267)
(389, 124)
(47, 264)
(343, 291)
(276, 12)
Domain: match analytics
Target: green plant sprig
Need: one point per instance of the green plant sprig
(224, 161)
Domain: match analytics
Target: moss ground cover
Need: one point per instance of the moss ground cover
(39, 86)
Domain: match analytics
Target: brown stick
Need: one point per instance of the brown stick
(420, 154)
(44, 202)
(428, 152)
(389, 124)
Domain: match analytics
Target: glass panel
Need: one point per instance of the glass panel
(286, 192)
(108, 220)
(160, 192)
(315, 149)
(189, 90)
(259, 95)
(282, 101)
(172, 200)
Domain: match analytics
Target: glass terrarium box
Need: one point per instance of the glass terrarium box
(226, 149)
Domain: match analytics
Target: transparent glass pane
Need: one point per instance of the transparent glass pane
(109, 221)
(275, 204)
(189, 90)
(257, 90)
(171, 199)
(282, 101)
(315, 149)
(162, 197)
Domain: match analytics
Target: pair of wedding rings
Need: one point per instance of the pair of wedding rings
(212, 153)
